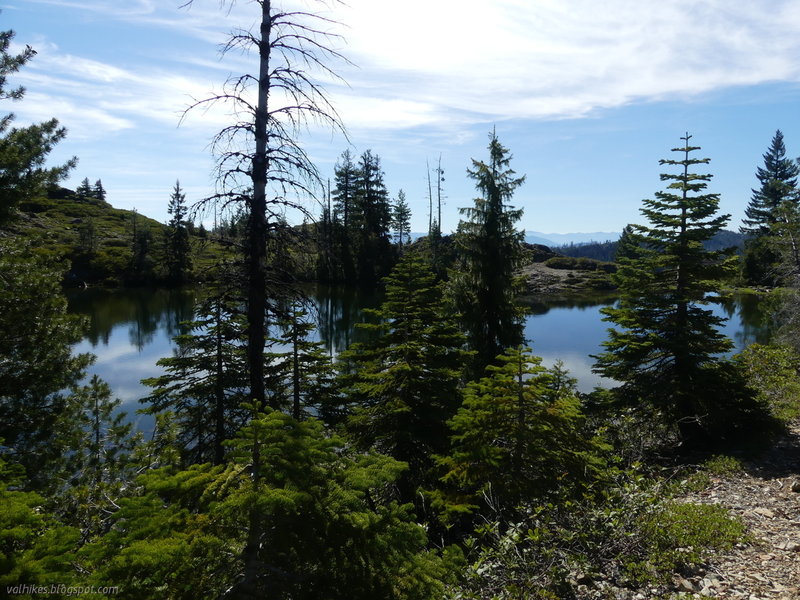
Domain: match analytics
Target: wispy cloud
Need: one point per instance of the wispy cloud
(421, 60)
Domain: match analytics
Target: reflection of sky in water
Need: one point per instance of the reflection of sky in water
(123, 364)
(127, 351)
(570, 335)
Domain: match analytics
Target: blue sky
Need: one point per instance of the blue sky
(588, 96)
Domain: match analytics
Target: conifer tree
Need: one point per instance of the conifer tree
(372, 218)
(179, 250)
(484, 284)
(302, 375)
(518, 437)
(84, 190)
(401, 218)
(344, 193)
(98, 191)
(666, 347)
(205, 381)
(35, 549)
(405, 384)
(774, 199)
(97, 460)
(23, 151)
(327, 530)
(37, 366)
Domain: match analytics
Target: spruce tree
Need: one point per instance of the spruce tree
(37, 366)
(405, 382)
(178, 247)
(302, 375)
(84, 190)
(97, 458)
(98, 191)
(775, 197)
(343, 196)
(666, 347)
(489, 248)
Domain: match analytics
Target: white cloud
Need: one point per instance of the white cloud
(551, 59)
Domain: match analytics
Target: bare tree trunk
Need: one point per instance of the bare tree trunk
(257, 224)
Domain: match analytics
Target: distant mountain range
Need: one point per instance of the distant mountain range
(559, 239)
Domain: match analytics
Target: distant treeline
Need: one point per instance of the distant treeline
(606, 251)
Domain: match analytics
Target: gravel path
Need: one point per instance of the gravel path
(767, 498)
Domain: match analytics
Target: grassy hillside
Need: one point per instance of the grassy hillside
(96, 240)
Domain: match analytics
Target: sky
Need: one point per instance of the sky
(586, 95)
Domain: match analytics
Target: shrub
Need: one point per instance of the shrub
(630, 535)
(774, 373)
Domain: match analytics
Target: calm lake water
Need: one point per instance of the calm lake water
(131, 329)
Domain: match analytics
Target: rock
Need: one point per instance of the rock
(796, 486)
(684, 585)
(788, 546)
(764, 512)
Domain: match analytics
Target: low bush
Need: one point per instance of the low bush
(579, 264)
(633, 534)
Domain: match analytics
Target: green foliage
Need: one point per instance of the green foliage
(580, 264)
(97, 465)
(205, 382)
(681, 535)
(301, 377)
(519, 436)
(401, 218)
(34, 547)
(723, 465)
(629, 535)
(23, 151)
(489, 249)
(777, 193)
(666, 348)
(293, 516)
(362, 219)
(178, 250)
(774, 373)
(404, 384)
(36, 360)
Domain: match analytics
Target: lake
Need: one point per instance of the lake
(130, 329)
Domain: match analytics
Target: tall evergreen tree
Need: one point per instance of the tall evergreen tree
(778, 183)
(98, 191)
(484, 284)
(302, 374)
(344, 192)
(666, 349)
(84, 190)
(778, 187)
(345, 188)
(401, 218)
(372, 219)
(98, 463)
(23, 151)
(405, 384)
(178, 247)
